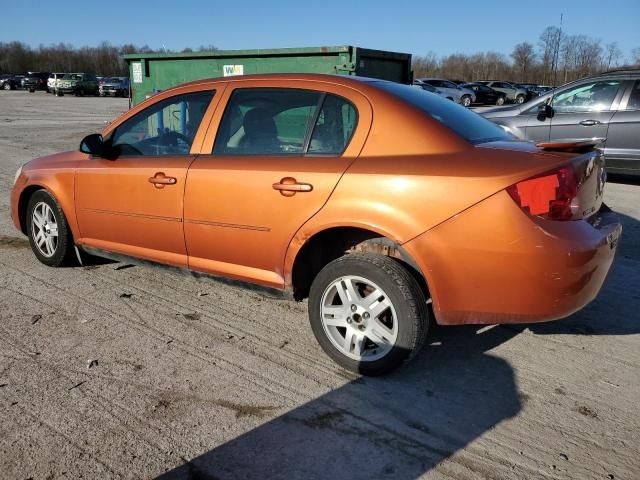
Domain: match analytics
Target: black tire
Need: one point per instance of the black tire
(6, 86)
(403, 292)
(64, 253)
(520, 99)
(501, 100)
(32, 90)
(465, 101)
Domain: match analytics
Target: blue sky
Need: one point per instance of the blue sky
(416, 27)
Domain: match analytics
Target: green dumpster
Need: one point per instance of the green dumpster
(151, 72)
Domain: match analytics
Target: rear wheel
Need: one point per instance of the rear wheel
(500, 100)
(465, 100)
(520, 99)
(368, 313)
(6, 86)
(48, 230)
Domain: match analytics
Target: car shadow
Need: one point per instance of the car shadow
(399, 426)
(403, 425)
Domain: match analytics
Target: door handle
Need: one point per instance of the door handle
(289, 186)
(589, 123)
(159, 180)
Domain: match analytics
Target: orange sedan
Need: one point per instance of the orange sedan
(383, 204)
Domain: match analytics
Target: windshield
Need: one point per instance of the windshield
(112, 80)
(467, 124)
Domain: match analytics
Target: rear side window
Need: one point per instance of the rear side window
(634, 98)
(334, 127)
(167, 127)
(467, 124)
(284, 121)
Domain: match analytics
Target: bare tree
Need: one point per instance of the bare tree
(523, 58)
(612, 56)
(549, 47)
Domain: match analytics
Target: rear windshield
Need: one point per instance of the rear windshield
(467, 124)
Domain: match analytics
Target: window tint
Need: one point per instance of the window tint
(467, 124)
(588, 97)
(334, 127)
(634, 99)
(266, 121)
(164, 128)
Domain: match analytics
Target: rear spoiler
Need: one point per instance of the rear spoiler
(578, 145)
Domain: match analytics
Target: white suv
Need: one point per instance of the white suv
(51, 81)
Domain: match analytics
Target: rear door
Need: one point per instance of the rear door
(280, 149)
(584, 111)
(622, 149)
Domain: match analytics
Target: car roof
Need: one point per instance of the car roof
(347, 80)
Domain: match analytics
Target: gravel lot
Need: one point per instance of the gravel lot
(192, 379)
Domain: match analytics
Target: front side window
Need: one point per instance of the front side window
(167, 127)
(284, 121)
(588, 97)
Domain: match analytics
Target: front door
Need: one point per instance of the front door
(584, 111)
(278, 155)
(133, 205)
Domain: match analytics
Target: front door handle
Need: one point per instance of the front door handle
(159, 180)
(589, 123)
(289, 186)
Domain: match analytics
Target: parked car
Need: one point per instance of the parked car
(79, 84)
(373, 199)
(428, 88)
(8, 82)
(514, 93)
(454, 92)
(35, 81)
(486, 95)
(114, 86)
(603, 106)
(52, 81)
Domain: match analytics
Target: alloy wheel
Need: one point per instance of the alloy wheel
(359, 318)
(44, 229)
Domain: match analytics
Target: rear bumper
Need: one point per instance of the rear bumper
(495, 264)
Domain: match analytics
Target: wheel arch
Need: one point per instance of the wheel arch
(327, 244)
(23, 202)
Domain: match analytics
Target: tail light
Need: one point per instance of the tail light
(552, 195)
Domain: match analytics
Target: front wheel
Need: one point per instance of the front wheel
(48, 231)
(466, 100)
(520, 99)
(500, 101)
(7, 86)
(368, 313)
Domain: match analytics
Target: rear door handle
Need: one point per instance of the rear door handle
(289, 186)
(159, 180)
(589, 123)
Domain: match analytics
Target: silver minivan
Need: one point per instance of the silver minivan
(604, 106)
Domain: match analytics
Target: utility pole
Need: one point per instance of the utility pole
(556, 53)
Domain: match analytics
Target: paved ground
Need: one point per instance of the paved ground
(192, 379)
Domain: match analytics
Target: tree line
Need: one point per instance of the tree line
(557, 58)
(104, 59)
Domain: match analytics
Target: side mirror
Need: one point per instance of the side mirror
(92, 144)
(545, 111)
